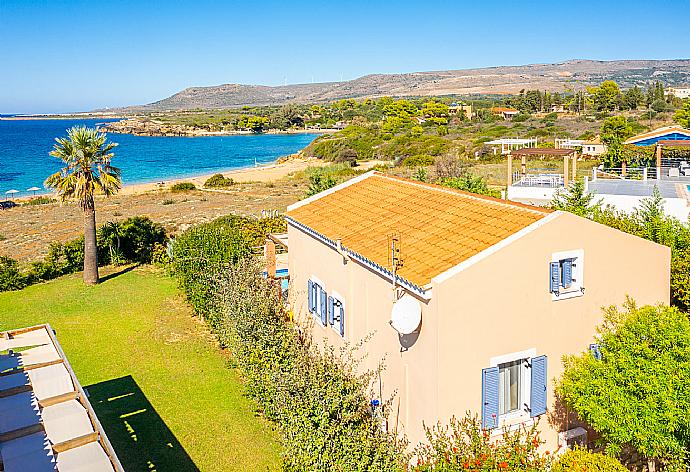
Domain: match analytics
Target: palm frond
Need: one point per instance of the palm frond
(86, 153)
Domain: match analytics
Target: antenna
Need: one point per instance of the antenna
(395, 261)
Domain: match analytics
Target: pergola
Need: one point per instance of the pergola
(524, 153)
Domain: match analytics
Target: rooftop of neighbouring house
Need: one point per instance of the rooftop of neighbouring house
(438, 227)
(674, 133)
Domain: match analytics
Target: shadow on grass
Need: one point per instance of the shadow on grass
(112, 275)
(141, 439)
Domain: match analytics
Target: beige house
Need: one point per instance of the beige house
(471, 301)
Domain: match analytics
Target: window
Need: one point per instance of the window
(514, 389)
(317, 300)
(509, 386)
(336, 314)
(567, 274)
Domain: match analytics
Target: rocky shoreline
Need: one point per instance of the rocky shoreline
(141, 127)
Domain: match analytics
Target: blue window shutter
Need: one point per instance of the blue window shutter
(490, 382)
(324, 306)
(539, 386)
(310, 296)
(567, 273)
(555, 277)
(595, 350)
(330, 311)
(342, 319)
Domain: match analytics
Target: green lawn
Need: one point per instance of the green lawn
(159, 385)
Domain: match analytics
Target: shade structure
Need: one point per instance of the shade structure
(33, 189)
(12, 191)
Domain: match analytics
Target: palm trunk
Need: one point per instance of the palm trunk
(90, 248)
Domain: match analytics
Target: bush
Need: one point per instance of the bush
(183, 187)
(317, 400)
(464, 445)
(348, 156)
(220, 243)
(470, 183)
(138, 237)
(582, 460)
(219, 181)
(418, 160)
(320, 181)
(635, 393)
(39, 201)
(11, 277)
(522, 117)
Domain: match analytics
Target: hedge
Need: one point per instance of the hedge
(317, 399)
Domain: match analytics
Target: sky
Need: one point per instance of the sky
(61, 56)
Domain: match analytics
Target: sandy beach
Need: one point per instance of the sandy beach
(264, 173)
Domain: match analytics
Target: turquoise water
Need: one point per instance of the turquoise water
(25, 144)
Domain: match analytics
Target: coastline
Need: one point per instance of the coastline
(262, 173)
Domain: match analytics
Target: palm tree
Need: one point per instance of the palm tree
(86, 154)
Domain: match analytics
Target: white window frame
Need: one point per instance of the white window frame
(522, 415)
(339, 298)
(317, 312)
(577, 287)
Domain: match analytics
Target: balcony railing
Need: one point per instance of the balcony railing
(543, 180)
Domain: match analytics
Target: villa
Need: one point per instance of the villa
(471, 301)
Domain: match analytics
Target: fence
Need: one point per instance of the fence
(681, 173)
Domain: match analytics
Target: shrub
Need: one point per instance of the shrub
(168, 201)
(549, 118)
(319, 403)
(219, 181)
(138, 236)
(348, 156)
(418, 160)
(320, 181)
(522, 117)
(470, 183)
(11, 277)
(39, 201)
(464, 445)
(635, 393)
(582, 460)
(183, 187)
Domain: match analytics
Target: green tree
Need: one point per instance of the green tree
(470, 183)
(635, 393)
(605, 96)
(633, 98)
(576, 200)
(86, 155)
(614, 131)
(682, 116)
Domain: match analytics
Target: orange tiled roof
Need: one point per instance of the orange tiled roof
(438, 227)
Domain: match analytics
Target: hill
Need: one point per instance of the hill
(564, 76)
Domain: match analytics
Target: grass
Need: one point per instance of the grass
(159, 384)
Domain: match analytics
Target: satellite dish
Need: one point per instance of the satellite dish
(406, 315)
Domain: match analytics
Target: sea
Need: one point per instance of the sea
(25, 162)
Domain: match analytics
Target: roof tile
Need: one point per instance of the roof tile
(438, 227)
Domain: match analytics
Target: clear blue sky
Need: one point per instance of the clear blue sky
(59, 55)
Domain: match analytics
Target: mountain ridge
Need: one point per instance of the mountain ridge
(573, 74)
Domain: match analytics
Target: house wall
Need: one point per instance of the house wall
(410, 364)
(497, 306)
(502, 305)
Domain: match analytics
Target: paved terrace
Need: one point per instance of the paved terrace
(669, 188)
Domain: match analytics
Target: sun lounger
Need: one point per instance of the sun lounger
(88, 458)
